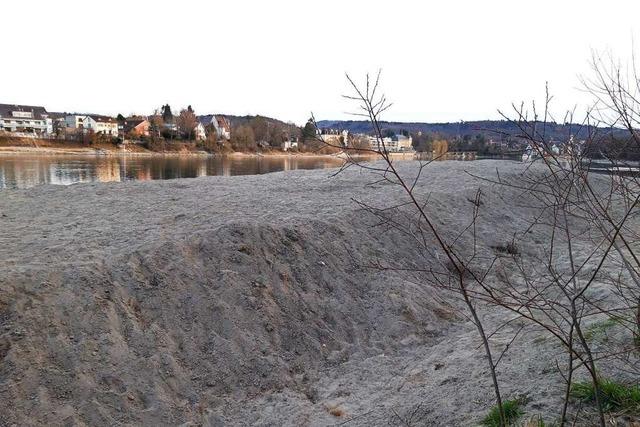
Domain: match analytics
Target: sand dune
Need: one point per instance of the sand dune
(246, 301)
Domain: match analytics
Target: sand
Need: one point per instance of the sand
(248, 300)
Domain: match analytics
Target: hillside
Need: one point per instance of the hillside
(244, 120)
(491, 129)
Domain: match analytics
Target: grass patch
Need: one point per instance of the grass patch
(600, 328)
(613, 395)
(512, 412)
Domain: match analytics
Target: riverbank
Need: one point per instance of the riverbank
(139, 151)
(31, 146)
(250, 300)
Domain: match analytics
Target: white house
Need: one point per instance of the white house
(222, 126)
(334, 137)
(26, 119)
(289, 144)
(394, 144)
(200, 131)
(104, 125)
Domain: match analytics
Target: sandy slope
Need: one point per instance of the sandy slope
(245, 301)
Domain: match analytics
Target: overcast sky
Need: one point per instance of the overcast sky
(442, 61)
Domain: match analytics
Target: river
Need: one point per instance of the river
(25, 171)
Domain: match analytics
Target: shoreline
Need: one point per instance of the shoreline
(99, 152)
(87, 152)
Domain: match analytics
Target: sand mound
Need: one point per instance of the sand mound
(248, 301)
(161, 334)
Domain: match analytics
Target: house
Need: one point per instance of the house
(334, 137)
(222, 126)
(58, 124)
(26, 119)
(394, 144)
(136, 127)
(402, 143)
(290, 144)
(200, 131)
(74, 121)
(104, 125)
(99, 124)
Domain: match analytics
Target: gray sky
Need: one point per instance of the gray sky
(441, 61)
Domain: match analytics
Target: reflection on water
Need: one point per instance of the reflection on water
(24, 171)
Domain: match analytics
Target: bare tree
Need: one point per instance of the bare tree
(187, 122)
(243, 139)
(459, 271)
(583, 214)
(592, 222)
(156, 124)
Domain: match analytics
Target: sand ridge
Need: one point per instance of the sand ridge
(245, 300)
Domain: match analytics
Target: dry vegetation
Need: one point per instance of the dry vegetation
(558, 290)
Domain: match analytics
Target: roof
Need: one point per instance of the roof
(100, 118)
(7, 109)
(218, 122)
(95, 117)
(133, 122)
(223, 122)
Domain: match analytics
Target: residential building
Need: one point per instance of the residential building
(290, 144)
(25, 119)
(394, 144)
(99, 124)
(402, 143)
(334, 137)
(104, 125)
(222, 125)
(59, 123)
(200, 131)
(136, 127)
(74, 121)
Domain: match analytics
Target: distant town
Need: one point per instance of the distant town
(215, 133)
(166, 130)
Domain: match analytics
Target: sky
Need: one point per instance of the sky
(441, 61)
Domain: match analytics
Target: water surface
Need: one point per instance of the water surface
(25, 171)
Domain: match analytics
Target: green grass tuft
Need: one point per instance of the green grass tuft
(512, 412)
(599, 329)
(613, 395)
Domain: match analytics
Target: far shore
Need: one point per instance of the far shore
(101, 151)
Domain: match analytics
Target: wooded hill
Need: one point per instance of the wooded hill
(490, 129)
